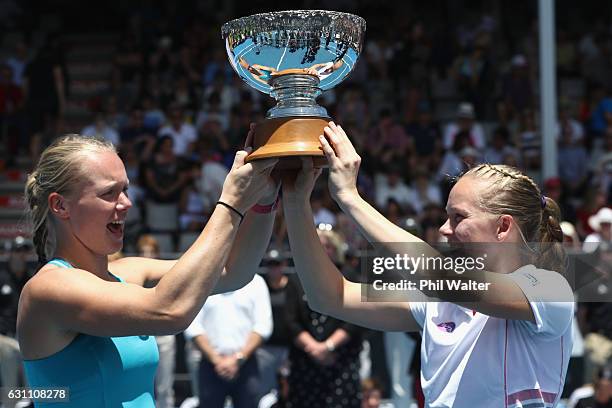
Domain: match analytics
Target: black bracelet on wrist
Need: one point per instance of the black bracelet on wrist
(233, 209)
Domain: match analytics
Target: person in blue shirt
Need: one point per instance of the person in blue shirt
(87, 325)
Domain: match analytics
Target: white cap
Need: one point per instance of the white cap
(465, 110)
(604, 215)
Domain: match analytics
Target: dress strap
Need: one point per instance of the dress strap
(62, 263)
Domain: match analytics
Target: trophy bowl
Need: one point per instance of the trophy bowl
(293, 56)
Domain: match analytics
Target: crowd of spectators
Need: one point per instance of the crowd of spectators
(425, 102)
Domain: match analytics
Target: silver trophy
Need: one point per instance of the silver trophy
(293, 56)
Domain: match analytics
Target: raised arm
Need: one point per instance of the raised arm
(244, 257)
(74, 300)
(504, 299)
(343, 170)
(326, 289)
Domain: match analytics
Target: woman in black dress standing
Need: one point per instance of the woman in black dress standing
(324, 354)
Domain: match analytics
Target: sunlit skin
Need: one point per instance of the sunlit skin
(468, 222)
(82, 219)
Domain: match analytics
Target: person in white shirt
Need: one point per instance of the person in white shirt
(182, 133)
(511, 347)
(601, 223)
(391, 186)
(228, 330)
(100, 128)
(466, 121)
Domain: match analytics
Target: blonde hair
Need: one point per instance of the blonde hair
(59, 170)
(512, 192)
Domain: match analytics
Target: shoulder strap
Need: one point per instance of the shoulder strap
(62, 263)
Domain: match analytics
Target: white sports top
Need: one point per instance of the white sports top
(472, 360)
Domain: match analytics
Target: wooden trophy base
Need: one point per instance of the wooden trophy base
(289, 138)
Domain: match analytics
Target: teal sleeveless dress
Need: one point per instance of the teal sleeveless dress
(99, 372)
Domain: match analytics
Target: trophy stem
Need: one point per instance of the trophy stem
(295, 94)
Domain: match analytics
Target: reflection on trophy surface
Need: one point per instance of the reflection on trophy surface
(293, 56)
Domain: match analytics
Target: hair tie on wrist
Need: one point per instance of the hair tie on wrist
(232, 209)
(543, 198)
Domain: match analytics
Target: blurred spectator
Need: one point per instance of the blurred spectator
(213, 111)
(566, 54)
(570, 237)
(572, 160)
(194, 208)
(229, 366)
(154, 117)
(162, 60)
(136, 135)
(11, 120)
(602, 391)
(424, 191)
(322, 215)
(567, 125)
(517, 89)
(594, 199)
(390, 185)
(212, 175)
(529, 141)
(127, 69)
(500, 147)
(117, 119)
(12, 280)
(601, 224)
(45, 95)
(212, 134)
(148, 247)
(388, 140)
(278, 397)
(466, 122)
(226, 96)
(454, 161)
(431, 232)
(594, 94)
(394, 212)
(601, 160)
(353, 107)
(602, 115)
(471, 73)
(100, 128)
(188, 65)
(164, 179)
(426, 135)
(553, 188)
(182, 133)
(593, 61)
(324, 355)
(371, 394)
(273, 354)
(507, 119)
(18, 61)
(217, 65)
(184, 95)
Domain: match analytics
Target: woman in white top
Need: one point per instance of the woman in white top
(512, 347)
